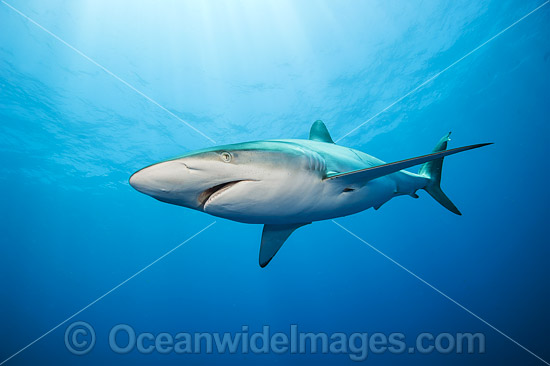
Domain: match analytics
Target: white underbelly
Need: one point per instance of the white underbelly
(297, 198)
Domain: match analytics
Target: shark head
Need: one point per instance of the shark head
(224, 179)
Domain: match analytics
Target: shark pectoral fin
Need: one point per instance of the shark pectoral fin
(319, 132)
(364, 175)
(273, 237)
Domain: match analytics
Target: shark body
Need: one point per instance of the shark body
(285, 184)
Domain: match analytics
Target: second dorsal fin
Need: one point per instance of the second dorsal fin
(319, 132)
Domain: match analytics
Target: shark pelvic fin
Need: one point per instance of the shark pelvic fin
(273, 237)
(319, 132)
(365, 175)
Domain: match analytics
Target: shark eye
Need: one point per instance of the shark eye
(225, 156)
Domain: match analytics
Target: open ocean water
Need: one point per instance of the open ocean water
(91, 91)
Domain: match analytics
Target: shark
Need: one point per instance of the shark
(285, 184)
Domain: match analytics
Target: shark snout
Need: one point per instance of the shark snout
(160, 179)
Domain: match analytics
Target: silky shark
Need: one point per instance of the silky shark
(286, 184)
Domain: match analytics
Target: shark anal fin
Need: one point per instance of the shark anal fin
(273, 237)
(319, 132)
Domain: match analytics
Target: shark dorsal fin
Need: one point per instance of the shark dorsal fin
(273, 237)
(319, 132)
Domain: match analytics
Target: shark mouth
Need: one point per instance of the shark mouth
(211, 193)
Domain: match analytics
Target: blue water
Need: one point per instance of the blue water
(71, 134)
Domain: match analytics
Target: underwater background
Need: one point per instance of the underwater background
(74, 126)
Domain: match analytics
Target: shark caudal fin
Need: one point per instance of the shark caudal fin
(432, 170)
